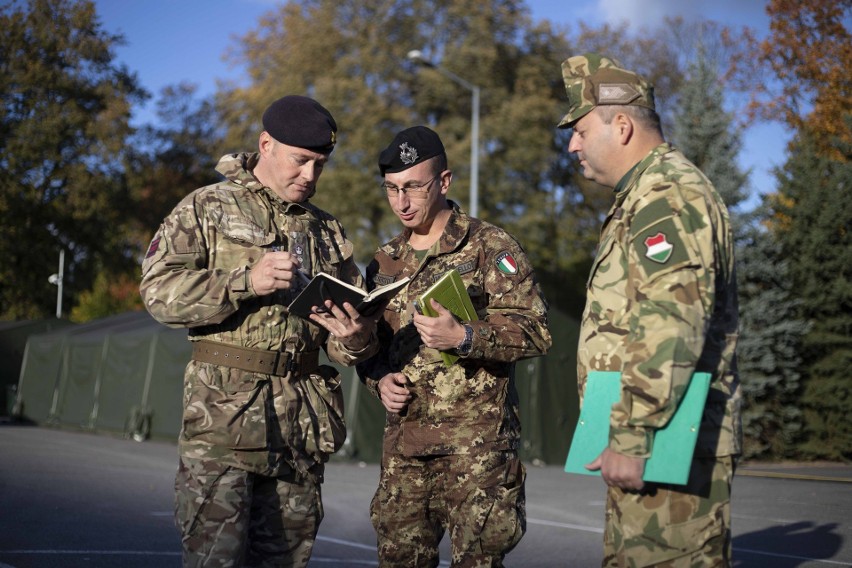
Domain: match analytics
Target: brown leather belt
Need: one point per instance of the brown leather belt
(278, 363)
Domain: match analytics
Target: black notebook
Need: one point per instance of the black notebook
(325, 287)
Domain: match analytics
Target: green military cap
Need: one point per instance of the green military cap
(592, 79)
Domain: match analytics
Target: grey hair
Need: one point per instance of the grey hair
(646, 117)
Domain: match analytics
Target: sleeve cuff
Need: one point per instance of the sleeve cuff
(633, 442)
(480, 341)
(373, 386)
(240, 283)
(349, 357)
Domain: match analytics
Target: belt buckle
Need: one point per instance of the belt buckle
(287, 365)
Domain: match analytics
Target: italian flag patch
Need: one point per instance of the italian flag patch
(506, 263)
(659, 249)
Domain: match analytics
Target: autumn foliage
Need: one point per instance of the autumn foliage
(809, 54)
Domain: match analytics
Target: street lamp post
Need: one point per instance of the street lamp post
(417, 57)
(56, 280)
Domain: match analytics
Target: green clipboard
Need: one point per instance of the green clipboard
(674, 445)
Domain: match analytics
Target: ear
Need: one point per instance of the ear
(624, 128)
(446, 180)
(265, 143)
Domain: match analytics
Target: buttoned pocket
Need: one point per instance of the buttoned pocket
(321, 417)
(224, 408)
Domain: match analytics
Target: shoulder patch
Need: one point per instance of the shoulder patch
(660, 246)
(152, 250)
(659, 249)
(506, 263)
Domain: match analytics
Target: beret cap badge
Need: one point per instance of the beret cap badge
(407, 154)
(408, 148)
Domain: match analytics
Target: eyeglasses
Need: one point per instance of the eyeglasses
(415, 191)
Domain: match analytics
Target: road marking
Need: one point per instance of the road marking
(373, 548)
(565, 525)
(346, 543)
(354, 545)
(798, 476)
(736, 549)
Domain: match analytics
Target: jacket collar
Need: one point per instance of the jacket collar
(453, 237)
(238, 168)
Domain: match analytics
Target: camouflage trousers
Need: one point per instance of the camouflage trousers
(229, 517)
(673, 526)
(479, 499)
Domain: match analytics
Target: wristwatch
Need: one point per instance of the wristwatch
(466, 344)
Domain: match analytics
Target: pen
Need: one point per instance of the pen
(303, 277)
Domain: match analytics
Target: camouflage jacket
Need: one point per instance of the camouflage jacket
(662, 304)
(196, 275)
(474, 403)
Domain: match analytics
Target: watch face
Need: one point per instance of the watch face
(466, 344)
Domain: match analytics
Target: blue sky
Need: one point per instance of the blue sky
(171, 41)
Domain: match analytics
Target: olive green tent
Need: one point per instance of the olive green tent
(124, 374)
(13, 341)
(121, 374)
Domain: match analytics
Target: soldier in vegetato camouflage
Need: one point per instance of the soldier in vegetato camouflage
(661, 305)
(450, 453)
(260, 415)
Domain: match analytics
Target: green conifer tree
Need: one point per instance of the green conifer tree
(769, 349)
(770, 331)
(813, 219)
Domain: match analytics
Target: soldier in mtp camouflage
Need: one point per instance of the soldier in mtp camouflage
(260, 415)
(661, 305)
(450, 452)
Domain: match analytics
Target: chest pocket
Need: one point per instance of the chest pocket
(241, 239)
(330, 252)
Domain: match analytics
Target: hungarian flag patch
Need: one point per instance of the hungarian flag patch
(658, 248)
(506, 263)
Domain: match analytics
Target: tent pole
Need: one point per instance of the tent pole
(93, 417)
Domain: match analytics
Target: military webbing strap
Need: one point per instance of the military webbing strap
(278, 363)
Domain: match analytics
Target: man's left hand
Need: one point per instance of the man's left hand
(617, 470)
(443, 332)
(346, 324)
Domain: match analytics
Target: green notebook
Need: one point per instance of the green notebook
(671, 455)
(449, 291)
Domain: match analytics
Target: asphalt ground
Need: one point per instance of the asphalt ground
(73, 499)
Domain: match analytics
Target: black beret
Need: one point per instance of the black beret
(300, 121)
(409, 148)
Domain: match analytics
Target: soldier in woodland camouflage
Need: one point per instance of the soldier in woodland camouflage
(260, 415)
(661, 305)
(450, 453)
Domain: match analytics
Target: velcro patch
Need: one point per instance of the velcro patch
(660, 246)
(152, 249)
(382, 279)
(617, 93)
(506, 263)
(466, 267)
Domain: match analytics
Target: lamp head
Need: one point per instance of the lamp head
(416, 56)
